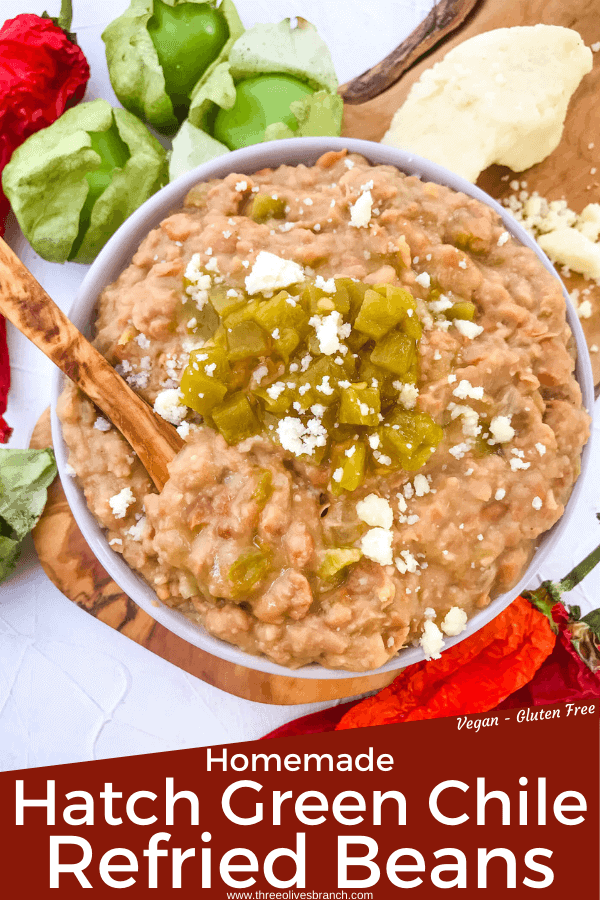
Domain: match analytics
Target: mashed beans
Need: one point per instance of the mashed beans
(327, 539)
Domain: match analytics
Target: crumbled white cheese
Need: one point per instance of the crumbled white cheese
(572, 248)
(440, 305)
(406, 562)
(504, 237)
(541, 448)
(136, 532)
(464, 390)
(270, 272)
(537, 503)
(459, 450)
(102, 424)
(407, 394)
(183, 430)
(329, 330)
(421, 485)
(168, 405)
(468, 329)
(115, 542)
(501, 429)
(516, 463)
(276, 389)
(360, 212)
(241, 186)
(119, 503)
(584, 309)
(454, 622)
(500, 494)
(432, 640)
(327, 286)
(327, 389)
(375, 511)
(424, 279)
(301, 439)
(376, 544)
(200, 282)
(142, 341)
(470, 419)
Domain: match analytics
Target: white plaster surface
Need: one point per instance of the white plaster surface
(72, 689)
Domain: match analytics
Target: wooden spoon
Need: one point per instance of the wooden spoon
(26, 304)
(445, 17)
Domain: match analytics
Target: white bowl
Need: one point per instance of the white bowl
(117, 254)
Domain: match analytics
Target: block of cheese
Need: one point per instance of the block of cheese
(500, 97)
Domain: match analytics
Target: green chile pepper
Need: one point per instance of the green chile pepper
(259, 102)
(187, 39)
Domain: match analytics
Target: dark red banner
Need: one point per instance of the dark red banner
(481, 803)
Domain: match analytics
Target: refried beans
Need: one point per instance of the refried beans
(375, 384)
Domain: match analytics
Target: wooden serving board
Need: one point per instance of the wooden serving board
(63, 552)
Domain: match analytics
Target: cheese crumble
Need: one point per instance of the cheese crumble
(360, 212)
(376, 544)
(270, 272)
(120, 503)
(375, 511)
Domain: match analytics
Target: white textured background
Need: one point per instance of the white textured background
(72, 689)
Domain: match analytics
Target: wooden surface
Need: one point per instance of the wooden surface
(65, 556)
(566, 173)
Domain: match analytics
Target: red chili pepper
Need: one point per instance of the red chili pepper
(471, 677)
(42, 73)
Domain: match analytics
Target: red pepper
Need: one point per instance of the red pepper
(471, 677)
(42, 73)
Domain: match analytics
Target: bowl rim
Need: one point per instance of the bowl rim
(116, 255)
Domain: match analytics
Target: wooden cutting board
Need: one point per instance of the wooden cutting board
(65, 556)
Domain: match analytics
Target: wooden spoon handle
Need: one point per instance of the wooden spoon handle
(26, 304)
(445, 17)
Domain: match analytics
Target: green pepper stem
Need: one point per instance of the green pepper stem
(555, 589)
(579, 572)
(66, 15)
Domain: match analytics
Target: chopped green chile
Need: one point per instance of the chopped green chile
(264, 363)
(264, 488)
(265, 207)
(235, 419)
(249, 569)
(246, 340)
(352, 468)
(394, 353)
(383, 307)
(336, 559)
(462, 309)
(410, 437)
(360, 405)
